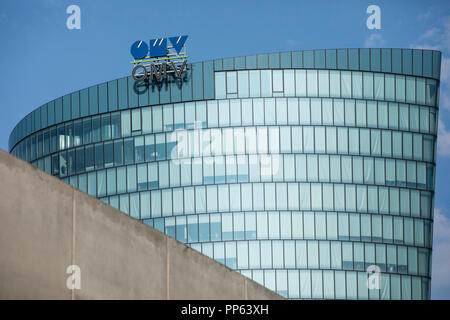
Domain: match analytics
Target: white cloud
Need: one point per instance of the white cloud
(445, 69)
(430, 34)
(293, 43)
(375, 40)
(441, 226)
(440, 273)
(425, 16)
(425, 47)
(444, 99)
(443, 141)
(437, 36)
(445, 37)
(441, 250)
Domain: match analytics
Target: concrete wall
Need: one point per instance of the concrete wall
(46, 225)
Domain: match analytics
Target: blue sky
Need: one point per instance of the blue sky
(41, 59)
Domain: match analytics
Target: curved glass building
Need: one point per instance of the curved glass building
(301, 170)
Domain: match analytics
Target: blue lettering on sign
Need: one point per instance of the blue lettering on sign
(157, 59)
(178, 42)
(139, 49)
(158, 47)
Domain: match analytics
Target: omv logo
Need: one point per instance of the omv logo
(156, 47)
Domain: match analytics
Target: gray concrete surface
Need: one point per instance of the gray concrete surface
(47, 225)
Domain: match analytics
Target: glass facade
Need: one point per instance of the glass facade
(297, 169)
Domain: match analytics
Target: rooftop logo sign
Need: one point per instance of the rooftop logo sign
(157, 59)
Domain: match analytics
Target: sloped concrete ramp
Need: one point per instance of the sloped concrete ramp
(47, 226)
